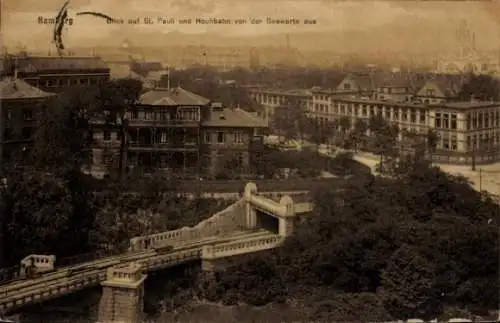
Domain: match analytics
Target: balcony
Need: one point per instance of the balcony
(163, 123)
(167, 146)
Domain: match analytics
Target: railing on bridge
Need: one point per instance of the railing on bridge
(234, 248)
(189, 243)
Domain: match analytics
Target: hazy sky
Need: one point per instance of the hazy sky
(19, 17)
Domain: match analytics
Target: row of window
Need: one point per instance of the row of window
(182, 114)
(221, 137)
(164, 136)
(27, 114)
(63, 82)
(482, 120)
(445, 121)
(412, 115)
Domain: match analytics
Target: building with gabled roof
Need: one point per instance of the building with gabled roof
(178, 131)
(20, 104)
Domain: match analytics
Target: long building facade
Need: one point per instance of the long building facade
(466, 130)
(55, 74)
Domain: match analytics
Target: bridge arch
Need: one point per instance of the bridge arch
(261, 212)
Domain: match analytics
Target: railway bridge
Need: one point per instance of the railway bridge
(253, 223)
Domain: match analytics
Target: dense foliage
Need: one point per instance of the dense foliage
(304, 164)
(48, 205)
(400, 248)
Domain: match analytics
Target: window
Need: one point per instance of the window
(430, 92)
(106, 135)
(148, 115)
(51, 83)
(208, 137)
(238, 137)
(163, 136)
(446, 121)
(27, 114)
(453, 121)
(9, 114)
(347, 86)
(134, 114)
(220, 137)
(83, 82)
(163, 161)
(422, 116)
(438, 120)
(74, 82)
(188, 114)
(453, 143)
(363, 111)
(413, 116)
(132, 160)
(26, 133)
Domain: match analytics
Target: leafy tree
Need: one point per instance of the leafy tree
(345, 124)
(407, 246)
(290, 120)
(431, 142)
(359, 132)
(385, 138)
(116, 99)
(409, 286)
(63, 138)
(44, 214)
(480, 87)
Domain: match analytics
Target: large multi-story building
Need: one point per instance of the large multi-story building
(55, 74)
(179, 131)
(20, 104)
(464, 129)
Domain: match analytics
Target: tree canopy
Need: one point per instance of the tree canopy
(411, 246)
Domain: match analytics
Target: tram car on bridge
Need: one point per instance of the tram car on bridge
(34, 265)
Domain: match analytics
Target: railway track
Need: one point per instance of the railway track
(83, 272)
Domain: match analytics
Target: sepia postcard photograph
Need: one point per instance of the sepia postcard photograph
(250, 161)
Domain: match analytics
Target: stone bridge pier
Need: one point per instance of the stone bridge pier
(122, 299)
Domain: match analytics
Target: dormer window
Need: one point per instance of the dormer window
(216, 106)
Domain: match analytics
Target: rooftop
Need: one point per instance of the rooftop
(172, 97)
(11, 88)
(234, 118)
(299, 92)
(27, 64)
(451, 105)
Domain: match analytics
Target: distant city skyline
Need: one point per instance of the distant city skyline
(20, 26)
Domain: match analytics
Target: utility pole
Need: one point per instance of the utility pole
(474, 156)
(480, 179)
